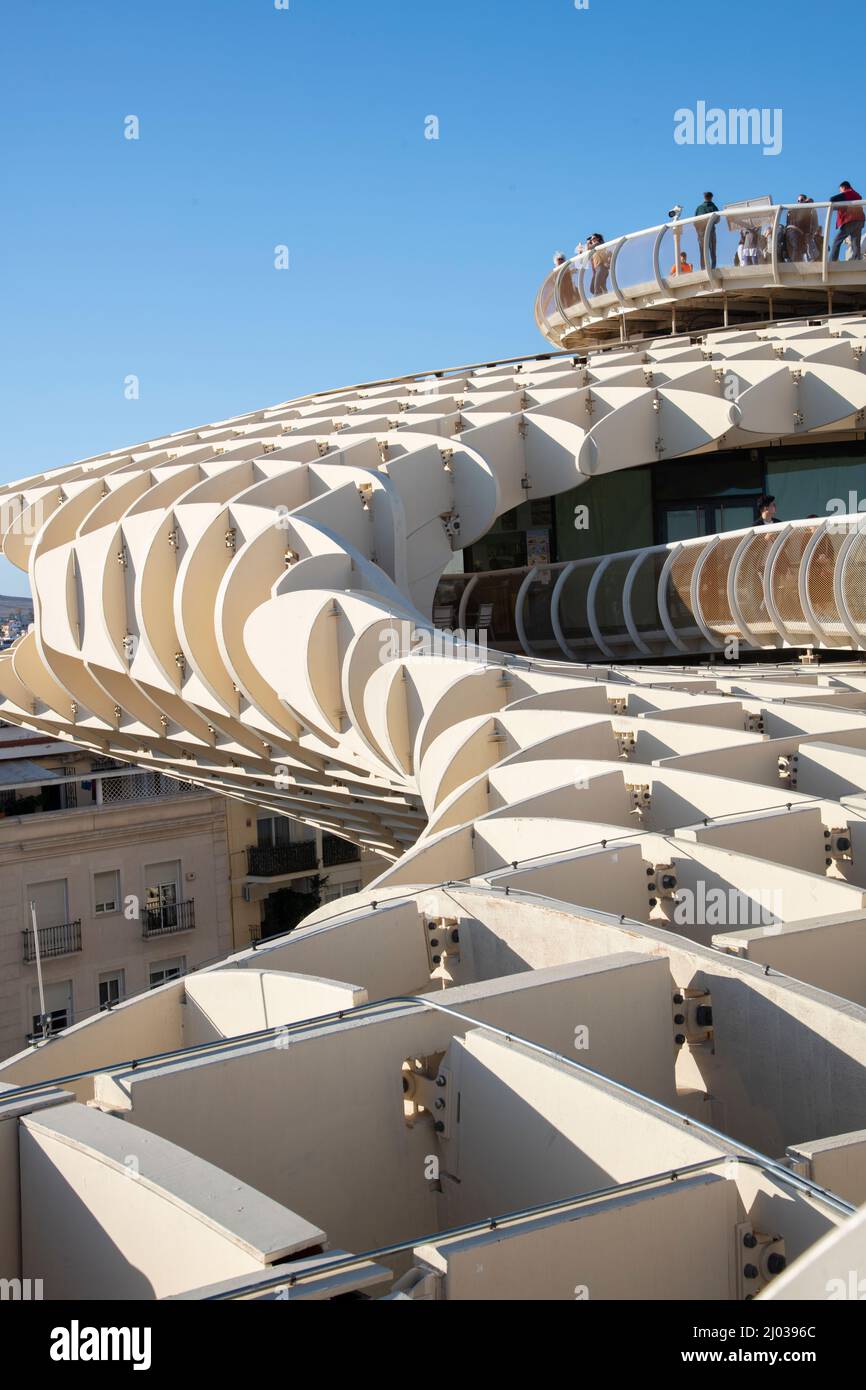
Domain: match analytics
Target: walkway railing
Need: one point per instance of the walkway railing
(795, 584)
(742, 247)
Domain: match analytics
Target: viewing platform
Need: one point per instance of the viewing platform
(749, 263)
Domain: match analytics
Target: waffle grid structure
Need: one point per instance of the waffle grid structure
(242, 604)
(247, 606)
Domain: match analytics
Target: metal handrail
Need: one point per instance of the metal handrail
(731, 1148)
(512, 1218)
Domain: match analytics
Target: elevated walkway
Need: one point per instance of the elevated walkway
(750, 263)
(796, 585)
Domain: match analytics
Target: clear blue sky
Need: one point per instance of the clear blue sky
(305, 127)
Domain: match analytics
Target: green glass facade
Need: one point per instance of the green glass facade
(675, 501)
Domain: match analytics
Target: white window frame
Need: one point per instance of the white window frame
(342, 890)
(105, 978)
(101, 910)
(160, 965)
(69, 1010)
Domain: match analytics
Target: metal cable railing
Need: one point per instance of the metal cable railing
(514, 1218)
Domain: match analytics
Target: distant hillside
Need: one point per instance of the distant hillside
(10, 603)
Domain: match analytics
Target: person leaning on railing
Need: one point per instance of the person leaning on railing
(600, 262)
(567, 288)
(752, 248)
(800, 237)
(849, 222)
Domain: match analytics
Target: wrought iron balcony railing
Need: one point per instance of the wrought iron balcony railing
(267, 861)
(53, 941)
(171, 917)
(336, 851)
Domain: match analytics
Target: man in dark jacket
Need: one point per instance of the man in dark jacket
(849, 222)
(702, 210)
(766, 511)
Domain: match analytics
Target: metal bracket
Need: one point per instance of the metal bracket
(759, 1259)
(693, 1017)
(837, 844)
(626, 742)
(427, 1093)
(661, 883)
(788, 765)
(442, 935)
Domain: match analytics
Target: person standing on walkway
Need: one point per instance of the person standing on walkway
(600, 263)
(702, 210)
(849, 222)
(766, 511)
(801, 231)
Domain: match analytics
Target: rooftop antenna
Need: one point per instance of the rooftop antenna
(44, 1022)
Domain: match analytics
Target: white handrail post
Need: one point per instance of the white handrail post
(43, 1017)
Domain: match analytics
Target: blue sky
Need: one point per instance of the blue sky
(305, 127)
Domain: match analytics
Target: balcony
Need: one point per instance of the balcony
(170, 918)
(749, 262)
(64, 940)
(336, 851)
(144, 786)
(269, 861)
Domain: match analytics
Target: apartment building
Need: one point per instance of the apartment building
(136, 878)
(289, 859)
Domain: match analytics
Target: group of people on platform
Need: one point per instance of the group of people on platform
(800, 237)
